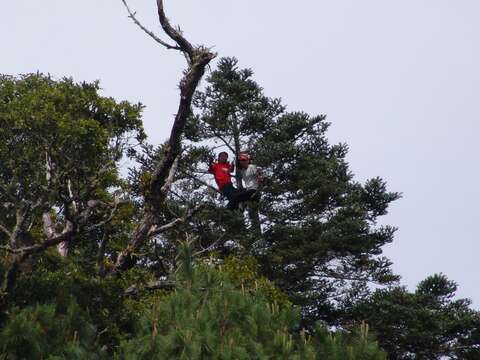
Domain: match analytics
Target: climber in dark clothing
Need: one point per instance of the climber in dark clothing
(221, 171)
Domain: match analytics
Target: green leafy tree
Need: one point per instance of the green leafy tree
(60, 148)
(426, 324)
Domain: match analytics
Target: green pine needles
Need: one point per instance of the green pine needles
(207, 317)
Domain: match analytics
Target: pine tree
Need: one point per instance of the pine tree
(209, 318)
(45, 332)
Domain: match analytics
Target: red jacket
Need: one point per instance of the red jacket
(221, 172)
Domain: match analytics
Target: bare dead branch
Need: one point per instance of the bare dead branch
(134, 290)
(149, 33)
(188, 214)
(227, 144)
(198, 59)
(174, 34)
(28, 250)
(211, 247)
(187, 87)
(128, 257)
(110, 217)
(147, 228)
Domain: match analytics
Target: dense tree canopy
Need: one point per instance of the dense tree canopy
(313, 251)
(317, 237)
(152, 265)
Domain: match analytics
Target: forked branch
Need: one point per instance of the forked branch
(131, 15)
(198, 58)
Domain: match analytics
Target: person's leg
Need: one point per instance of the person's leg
(255, 196)
(244, 195)
(230, 193)
(254, 216)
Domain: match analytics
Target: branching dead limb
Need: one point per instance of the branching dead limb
(147, 229)
(149, 33)
(110, 217)
(198, 59)
(175, 35)
(29, 250)
(211, 247)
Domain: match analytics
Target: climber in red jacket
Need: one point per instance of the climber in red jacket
(221, 171)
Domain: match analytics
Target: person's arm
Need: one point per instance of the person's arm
(232, 167)
(210, 165)
(259, 174)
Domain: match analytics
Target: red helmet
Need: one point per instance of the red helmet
(243, 156)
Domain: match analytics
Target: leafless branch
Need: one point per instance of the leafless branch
(174, 34)
(188, 214)
(28, 250)
(110, 217)
(198, 59)
(212, 246)
(227, 144)
(195, 178)
(150, 33)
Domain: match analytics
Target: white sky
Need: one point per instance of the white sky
(399, 81)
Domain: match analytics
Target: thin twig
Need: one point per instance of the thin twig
(109, 218)
(208, 248)
(5, 230)
(150, 33)
(194, 178)
(188, 214)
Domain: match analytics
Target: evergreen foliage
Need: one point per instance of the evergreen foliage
(426, 324)
(44, 332)
(208, 318)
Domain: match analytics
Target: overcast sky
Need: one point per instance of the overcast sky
(398, 80)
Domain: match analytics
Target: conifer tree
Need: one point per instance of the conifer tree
(208, 318)
(428, 323)
(319, 238)
(47, 332)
